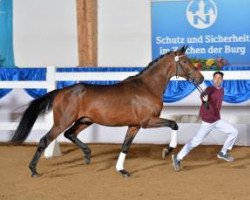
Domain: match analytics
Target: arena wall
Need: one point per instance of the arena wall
(49, 37)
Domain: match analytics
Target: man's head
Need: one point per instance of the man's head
(218, 72)
(217, 79)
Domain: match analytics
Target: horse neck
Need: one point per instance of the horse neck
(158, 76)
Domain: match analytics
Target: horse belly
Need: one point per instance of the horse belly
(111, 113)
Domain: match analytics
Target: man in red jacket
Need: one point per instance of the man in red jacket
(210, 115)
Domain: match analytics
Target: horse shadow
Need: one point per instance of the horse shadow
(109, 157)
(75, 160)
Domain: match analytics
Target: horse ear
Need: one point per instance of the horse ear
(183, 48)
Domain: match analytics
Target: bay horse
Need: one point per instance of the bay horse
(135, 102)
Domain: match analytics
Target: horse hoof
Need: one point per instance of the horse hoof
(124, 173)
(87, 158)
(166, 151)
(33, 175)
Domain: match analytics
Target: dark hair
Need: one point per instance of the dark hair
(218, 72)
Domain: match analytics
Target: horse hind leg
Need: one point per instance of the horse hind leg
(43, 143)
(71, 134)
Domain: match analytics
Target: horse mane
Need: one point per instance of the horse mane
(149, 65)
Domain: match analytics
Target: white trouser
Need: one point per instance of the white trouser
(205, 129)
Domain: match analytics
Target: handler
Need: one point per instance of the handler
(210, 114)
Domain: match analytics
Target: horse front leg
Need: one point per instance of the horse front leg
(159, 122)
(131, 133)
(172, 145)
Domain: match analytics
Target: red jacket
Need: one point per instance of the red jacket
(215, 98)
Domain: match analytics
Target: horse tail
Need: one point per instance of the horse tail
(36, 107)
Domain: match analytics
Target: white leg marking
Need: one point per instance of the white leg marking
(120, 161)
(173, 142)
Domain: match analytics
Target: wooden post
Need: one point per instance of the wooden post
(87, 32)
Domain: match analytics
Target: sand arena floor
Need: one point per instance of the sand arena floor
(203, 176)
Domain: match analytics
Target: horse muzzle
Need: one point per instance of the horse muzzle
(197, 80)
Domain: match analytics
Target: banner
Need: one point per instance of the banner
(6, 43)
(211, 28)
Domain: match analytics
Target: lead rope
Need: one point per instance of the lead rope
(203, 93)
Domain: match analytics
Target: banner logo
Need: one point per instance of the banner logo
(201, 14)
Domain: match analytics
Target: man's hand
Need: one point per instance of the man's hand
(205, 97)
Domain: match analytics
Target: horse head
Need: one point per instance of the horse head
(183, 66)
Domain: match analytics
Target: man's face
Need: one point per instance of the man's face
(217, 79)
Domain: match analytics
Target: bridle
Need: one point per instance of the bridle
(190, 76)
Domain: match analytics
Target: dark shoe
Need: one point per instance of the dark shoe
(176, 163)
(225, 157)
